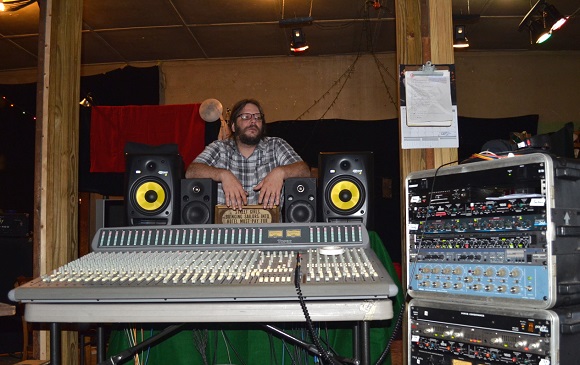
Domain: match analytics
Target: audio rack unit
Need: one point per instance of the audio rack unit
(499, 232)
(452, 334)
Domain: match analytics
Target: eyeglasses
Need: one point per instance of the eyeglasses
(247, 116)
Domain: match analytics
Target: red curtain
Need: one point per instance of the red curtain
(113, 126)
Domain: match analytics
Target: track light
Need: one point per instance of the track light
(87, 101)
(14, 5)
(460, 37)
(541, 21)
(538, 32)
(553, 17)
(299, 43)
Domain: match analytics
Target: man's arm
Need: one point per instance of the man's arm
(296, 169)
(235, 195)
(271, 186)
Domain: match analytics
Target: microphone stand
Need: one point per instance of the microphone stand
(131, 351)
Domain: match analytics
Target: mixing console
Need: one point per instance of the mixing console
(219, 263)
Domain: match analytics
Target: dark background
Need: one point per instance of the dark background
(140, 86)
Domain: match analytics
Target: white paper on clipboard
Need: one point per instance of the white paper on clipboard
(436, 137)
(428, 99)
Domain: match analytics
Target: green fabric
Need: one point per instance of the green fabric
(246, 344)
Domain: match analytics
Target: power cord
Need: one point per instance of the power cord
(328, 357)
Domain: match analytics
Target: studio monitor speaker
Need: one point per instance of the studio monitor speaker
(300, 200)
(152, 189)
(345, 186)
(198, 200)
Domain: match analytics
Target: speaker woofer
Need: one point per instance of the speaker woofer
(301, 212)
(195, 212)
(345, 195)
(150, 196)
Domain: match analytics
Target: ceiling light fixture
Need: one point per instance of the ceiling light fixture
(554, 17)
(87, 101)
(14, 5)
(541, 21)
(298, 44)
(460, 37)
(539, 33)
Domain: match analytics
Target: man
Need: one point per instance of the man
(249, 166)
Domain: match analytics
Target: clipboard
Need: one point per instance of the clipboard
(428, 95)
(426, 133)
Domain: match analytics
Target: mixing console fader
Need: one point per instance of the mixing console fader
(503, 231)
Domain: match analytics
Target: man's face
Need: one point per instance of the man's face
(249, 130)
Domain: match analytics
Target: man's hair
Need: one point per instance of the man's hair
(236, 111)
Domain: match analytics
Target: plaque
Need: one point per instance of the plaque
(250, 214)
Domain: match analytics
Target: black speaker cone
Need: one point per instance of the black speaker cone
(300, 212)
(151, 196)
(345, 195)
(195, 213)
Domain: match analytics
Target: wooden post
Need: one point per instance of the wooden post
(441, 36)
(57, 132)
(424, 33)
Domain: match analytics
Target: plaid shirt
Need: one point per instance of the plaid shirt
(271, 152)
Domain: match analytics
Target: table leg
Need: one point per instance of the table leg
(101, 345)
(55, 344)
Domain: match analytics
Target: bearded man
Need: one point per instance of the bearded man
(250, 167)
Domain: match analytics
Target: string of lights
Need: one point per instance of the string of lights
(345, 75)
(380, 68)
(342, 80)
(349, 71)
(6, 103)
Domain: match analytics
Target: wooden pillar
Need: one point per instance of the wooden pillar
(424, 33)
(57, 131)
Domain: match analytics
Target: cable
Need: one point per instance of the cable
(399, 319)
(200, 338)
(422, 233)
(326, 356)
(226, 343)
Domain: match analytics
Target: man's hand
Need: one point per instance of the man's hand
(236, 196)
(270, 188)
